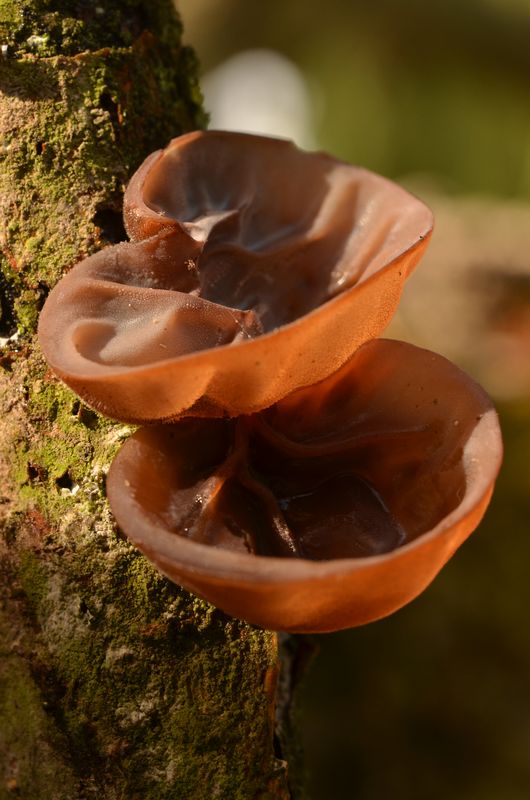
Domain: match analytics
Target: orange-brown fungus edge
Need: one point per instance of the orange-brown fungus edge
(333, 508)
(254, 269)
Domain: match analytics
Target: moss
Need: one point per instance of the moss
(26, 308)
(62, 468)
(149, 692)
(116, 636)
(64, 167)
(155, 692)
(28, 737)
(32, 579)
(67, 27)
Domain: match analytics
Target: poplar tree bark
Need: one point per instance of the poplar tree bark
(114, 683)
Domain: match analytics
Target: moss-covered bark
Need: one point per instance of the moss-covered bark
(113, 682)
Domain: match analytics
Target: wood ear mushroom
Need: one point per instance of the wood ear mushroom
(254, 269)
(309, 476)
(331, 509)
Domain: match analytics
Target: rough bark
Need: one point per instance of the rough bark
(114, 683)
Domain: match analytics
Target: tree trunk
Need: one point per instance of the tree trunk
(114, 683)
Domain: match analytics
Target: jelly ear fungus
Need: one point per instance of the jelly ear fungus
(310, 477)
(254, 269)
(331, 509)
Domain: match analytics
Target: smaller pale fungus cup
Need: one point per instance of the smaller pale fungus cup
(332, 508)
(254, 269)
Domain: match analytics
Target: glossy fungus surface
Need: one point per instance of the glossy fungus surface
(332, 508)
(254, 269)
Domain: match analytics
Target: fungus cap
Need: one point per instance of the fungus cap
(331, 509)
(255, 269)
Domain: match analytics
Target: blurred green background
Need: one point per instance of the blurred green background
(399, 86)
(433, 702)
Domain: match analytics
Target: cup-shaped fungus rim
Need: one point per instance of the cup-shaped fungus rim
(303, 595)
(256, 269)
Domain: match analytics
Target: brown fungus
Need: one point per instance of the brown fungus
(333, 508)
(254, 269)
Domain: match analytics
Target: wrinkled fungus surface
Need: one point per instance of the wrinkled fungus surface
(254, 269)
(332, 508)
(310, 477)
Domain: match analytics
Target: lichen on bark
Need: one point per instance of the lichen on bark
(114, 683)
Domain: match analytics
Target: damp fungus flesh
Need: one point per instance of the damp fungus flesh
(331, 509)
(253, 269)
(308, 476)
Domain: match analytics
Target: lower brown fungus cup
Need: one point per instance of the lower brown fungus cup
(331, 509)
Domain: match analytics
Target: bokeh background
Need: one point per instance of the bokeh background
(434, 702)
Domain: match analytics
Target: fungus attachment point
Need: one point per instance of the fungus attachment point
(254, 269)
(332, 508)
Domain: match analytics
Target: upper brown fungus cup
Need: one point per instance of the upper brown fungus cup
(333, 508)
(255, 269)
